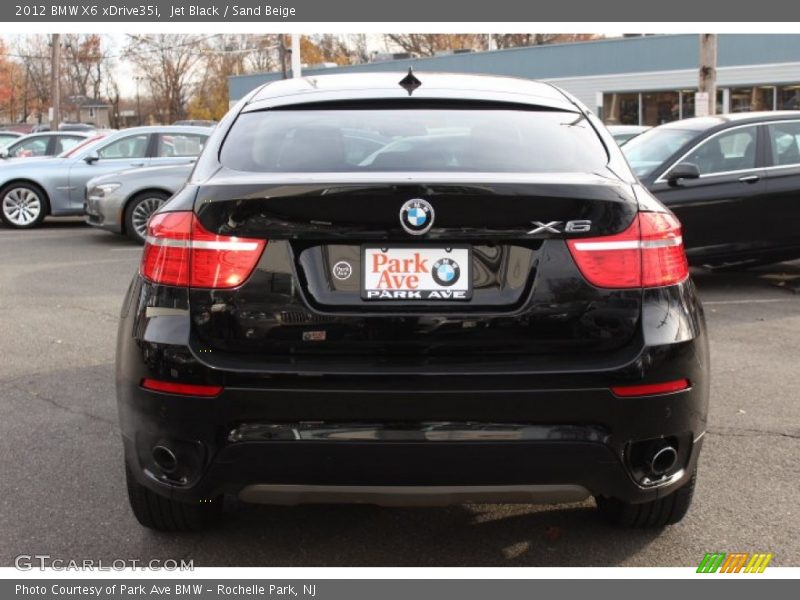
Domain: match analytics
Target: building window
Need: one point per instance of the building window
(752, 98)
(788, 97)
(660, 107)
(621, 109)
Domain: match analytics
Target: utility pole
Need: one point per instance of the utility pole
(707, 83)
(282, 52)
(138, 102)
(296, 63)
(55, 80)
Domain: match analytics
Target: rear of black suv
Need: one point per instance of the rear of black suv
(455, 295)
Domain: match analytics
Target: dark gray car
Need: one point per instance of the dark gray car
(123, 202)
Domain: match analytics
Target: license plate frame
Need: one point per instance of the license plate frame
(428, 289)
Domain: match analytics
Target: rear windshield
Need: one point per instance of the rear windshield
(292, 141)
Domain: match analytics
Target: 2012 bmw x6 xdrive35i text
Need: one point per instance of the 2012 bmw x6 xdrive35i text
(444, 290)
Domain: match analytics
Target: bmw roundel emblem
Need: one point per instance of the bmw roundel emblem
(445, 271)
(416, 216)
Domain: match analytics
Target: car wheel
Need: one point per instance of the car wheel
(165, 514)
(23, 205)
(138, 212)
(654, 514)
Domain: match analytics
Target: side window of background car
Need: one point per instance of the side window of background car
(64, 143)
(180, 144)
(33, 147)
(134, 146)
(733, 150)
(785, 141)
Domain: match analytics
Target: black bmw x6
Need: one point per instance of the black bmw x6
(442, 289)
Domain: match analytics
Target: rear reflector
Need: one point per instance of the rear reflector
(651, 388)
(180, 251)
(649, 253)
(184, 389)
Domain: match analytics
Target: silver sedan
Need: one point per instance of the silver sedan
(32, 188)
(123, 202)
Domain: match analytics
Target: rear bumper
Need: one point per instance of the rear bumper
(408, 436)
(214, 457)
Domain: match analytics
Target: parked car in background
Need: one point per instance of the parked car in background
(32, 189)
(7, 137)
(733, 181)
(87, 127)
(123, 202)
(196, 122)
(624, 133)
(43, 144)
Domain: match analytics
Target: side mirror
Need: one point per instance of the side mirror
(4, 153)
(683, 171)
(92, 157)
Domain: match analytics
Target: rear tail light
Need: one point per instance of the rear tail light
(180, 251)
(650, 389)
(184, 389)
(649, 253)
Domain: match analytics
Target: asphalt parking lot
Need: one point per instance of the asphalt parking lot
(63, 490)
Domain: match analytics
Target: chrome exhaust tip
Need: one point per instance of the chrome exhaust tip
(164, 458)
(663, 460)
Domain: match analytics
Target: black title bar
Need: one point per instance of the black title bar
(443, 11)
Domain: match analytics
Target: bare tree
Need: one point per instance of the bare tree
(33, 53)
(356, 44)
(225, 55)
(515, 40)
(262, 55)
(87, 63)
(429, 44)
(168, 63)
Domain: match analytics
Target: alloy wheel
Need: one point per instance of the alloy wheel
(141, 214)
(22, 206)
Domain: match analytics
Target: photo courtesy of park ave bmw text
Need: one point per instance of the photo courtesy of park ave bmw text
(431, 286)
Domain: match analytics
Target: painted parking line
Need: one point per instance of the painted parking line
(754, 301)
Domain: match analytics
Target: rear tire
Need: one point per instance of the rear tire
(654, 514)
(139, 210)
(23, 205)
(164, 514)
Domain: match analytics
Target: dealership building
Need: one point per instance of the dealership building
(634, 80)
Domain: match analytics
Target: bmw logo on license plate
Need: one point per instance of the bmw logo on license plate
(445, 271)
(416, 216)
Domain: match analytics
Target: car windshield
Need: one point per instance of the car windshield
(427, 140)
(75, 149)
(648, 151)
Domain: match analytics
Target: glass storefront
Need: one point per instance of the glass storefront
(621, 109)
(752, 98)
(660, 107)
(656, 107)
(788, 97)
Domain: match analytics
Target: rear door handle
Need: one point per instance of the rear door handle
(141, 164)
(750, 178)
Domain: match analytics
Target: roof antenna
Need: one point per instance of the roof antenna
(409, 82)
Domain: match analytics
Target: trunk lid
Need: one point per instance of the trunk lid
(526, 296)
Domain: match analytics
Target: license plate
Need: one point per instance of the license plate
(406, 273)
